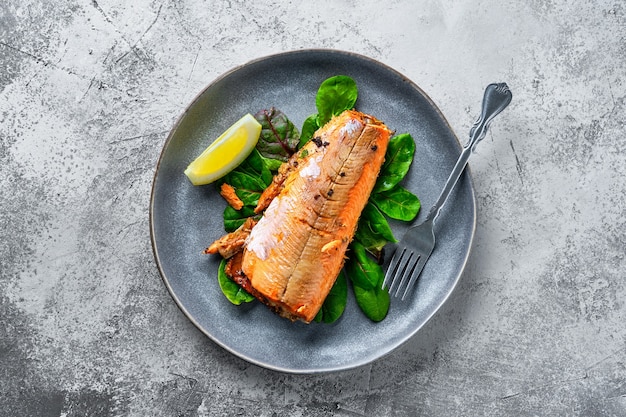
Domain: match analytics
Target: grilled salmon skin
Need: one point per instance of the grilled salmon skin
(295, 252)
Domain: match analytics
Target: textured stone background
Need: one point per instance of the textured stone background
(88, 92)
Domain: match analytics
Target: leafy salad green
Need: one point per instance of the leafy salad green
(279, 140)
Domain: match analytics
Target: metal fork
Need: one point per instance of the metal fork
(419, 241)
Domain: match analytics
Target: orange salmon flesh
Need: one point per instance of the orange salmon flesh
(295, 252)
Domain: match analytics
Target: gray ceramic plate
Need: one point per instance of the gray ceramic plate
(185, 219)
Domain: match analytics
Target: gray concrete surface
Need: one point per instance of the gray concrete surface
(88, 93)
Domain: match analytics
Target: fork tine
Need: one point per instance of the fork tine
(417, 270)
(392, 269)
(407, 265)
(400, 270)
(407, 271)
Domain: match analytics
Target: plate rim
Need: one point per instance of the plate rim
(153, 239)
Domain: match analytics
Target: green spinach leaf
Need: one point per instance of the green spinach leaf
(373, 230)
(398, 160)
(233, 292)
(373, 302)
(335, 302)
(247, 187)
(279, 137)
(272, 164)
(367, 277)
(235, 218)
(256, 166)
(249, 179)
(362, 269)
(397, 203)
(310, 125)
(335, 95)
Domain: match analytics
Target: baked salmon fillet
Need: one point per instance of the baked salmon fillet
(293, 255)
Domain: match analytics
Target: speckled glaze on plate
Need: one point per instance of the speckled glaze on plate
(185, 219)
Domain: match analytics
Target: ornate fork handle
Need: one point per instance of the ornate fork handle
(496, 98)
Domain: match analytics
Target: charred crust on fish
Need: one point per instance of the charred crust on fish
(318, 141)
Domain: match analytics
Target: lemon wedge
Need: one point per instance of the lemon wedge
(226, 152)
